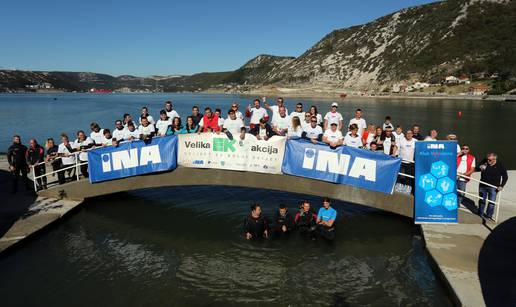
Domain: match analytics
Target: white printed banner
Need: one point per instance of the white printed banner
(211, 150)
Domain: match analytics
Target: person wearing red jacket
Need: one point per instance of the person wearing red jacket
(209, 122)
(466, 167)
(35, 155)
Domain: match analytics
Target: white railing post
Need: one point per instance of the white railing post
(497, 203)
(77, 167)
(33, 171)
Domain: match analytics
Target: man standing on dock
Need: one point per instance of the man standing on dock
(17, 163)
(493, 178)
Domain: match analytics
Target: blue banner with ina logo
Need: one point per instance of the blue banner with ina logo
(345, 165)
(133, 158)
(436, 174)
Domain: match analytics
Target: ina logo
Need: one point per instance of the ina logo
(223, 145)
(332, 162)
(132, 158)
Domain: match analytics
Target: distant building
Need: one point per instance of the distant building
(478, 89)
(451, 80)
(399, 88)
(420, 85)
(464, 80)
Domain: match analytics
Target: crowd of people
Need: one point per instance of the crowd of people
(306, 221)
(309, 124)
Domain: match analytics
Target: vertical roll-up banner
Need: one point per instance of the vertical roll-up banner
(435, 179)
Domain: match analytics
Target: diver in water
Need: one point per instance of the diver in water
(255, 225)
(326, 220)
(306, 220)
(283, 222)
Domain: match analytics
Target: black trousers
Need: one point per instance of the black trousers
(408, 168)
(39, 171)
(56, 166)
(15, 175)
(84, 169)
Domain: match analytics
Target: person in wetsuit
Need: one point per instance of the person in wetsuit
(283, 221)
(35, 158)
(326, 220)
(17, 163)
(306, 220)
(255, 225)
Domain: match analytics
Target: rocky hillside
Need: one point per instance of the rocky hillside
(476, 38)
(428, 42)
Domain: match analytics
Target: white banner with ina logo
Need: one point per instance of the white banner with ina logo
(211, 150)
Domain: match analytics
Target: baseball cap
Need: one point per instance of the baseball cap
(334, 104)
(333, 124)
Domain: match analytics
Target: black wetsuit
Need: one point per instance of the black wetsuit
(36, 155)
(16, 157)
(256, 227)
(283, 220)
(306, 222)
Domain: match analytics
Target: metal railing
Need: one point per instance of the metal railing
(497, 202)
(78, 163)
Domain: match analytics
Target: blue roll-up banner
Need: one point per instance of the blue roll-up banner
(345, 165)
(133, 158)
(436, 174)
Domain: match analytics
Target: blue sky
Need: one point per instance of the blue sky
(170, 37)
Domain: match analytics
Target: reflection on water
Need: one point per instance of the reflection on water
(183, 246)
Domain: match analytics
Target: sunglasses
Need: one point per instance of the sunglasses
(314, 121)
(465, 148)
(233, 106)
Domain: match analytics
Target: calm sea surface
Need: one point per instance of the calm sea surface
(184, 246)
(484, 125)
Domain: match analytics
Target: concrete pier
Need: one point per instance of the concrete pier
(457, 251)
(24, 214)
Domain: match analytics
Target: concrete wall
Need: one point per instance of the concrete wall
(397, 203)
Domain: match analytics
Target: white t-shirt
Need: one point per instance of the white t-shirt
(107, 142)
(319, 118)
(119, 134)
(429, 138)
(146, 130)
(97, 137)
(221, 122)
(257, 114)
(149, 118)
(281, 122)
(407, 149)
(172, 114)
(63, 150)
(333, 136)
(353, 141)
(386, 126)
(333, 118)
(275, 111)
(162, 125)
(312, 133)
(233, 126)
(128, 134)
(398, 137)
(463, 166)
(387, 143)
(239, 114)
(369, 139)
(83, 156)
(301, 115)
(294, 133)
(361, 123)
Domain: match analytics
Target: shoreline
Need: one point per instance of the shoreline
(307, 95)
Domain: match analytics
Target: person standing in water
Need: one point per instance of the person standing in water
(255, 225)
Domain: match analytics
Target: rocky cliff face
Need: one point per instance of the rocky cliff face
(425, 42)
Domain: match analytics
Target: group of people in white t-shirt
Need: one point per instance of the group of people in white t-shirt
(310, 125)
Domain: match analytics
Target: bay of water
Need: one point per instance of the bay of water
(484, 125)
(185, 247)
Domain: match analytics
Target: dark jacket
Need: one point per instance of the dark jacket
(305, 219)
(493, 174)
(16, 155)
(285, 220)
(256, 130)
(35, 155)
(256, 227)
